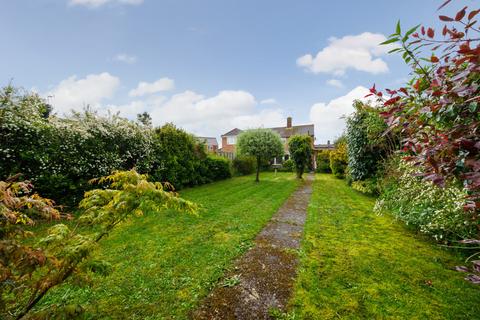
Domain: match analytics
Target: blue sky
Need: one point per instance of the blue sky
(207, 65)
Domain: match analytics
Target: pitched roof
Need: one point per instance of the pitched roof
(211, 141)
(302, 129)
(233, 132)
(329, 146)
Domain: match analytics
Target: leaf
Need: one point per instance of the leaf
(445, 18)
(409, 32)
(398, 30)
(392, 40)
(472, 14)
(430, 33)
(462, 269)
(470, 241)
(460, 14)
(434, 59)
(473, 278)
(476, 265)
(444, 4)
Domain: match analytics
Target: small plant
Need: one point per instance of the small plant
(231, 281)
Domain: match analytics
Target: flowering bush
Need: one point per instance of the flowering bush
(435, 211)
(60, 155)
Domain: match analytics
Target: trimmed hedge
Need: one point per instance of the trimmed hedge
(244, 165)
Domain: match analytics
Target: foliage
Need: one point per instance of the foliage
(356, 264)
(145, 119)
(216, 168)
(300, 148)
(367, 186)
(323, 161)
(438, 111)
(64, 253)
(367, 144)
(339, 158)
(244, 165)
(288, 165)
(263, 144)
(435, 211)
(163, 266)
(60, 155)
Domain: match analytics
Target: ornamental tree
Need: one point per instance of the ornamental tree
(263, 144)
(300, 147)
(29, 272)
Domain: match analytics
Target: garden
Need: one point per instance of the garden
(106, 217)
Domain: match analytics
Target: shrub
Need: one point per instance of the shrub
(368, 186)
(217, 168)
(64, 252)
(288, 166)
(60, 155)
(244, 165)
(300, 147)
(339, 158)
(367, 144)
(435, 211)
(323, 162)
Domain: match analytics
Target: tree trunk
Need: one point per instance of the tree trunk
(258, 169)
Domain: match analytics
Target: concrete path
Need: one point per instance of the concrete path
(262, 279)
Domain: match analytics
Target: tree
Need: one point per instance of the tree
(263, 144)
(32, 270)
(300, 147)
(145, 119)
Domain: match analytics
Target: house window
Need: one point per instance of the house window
(232, 140)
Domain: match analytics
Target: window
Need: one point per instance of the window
(232, 140)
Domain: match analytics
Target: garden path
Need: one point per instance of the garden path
(262, 279)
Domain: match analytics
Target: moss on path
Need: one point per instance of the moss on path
(358, 265)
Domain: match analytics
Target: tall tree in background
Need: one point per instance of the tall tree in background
(263, 144)
(300, 147)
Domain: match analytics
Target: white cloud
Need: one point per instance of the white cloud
(335, 83)
(360, 52)
(144, 88)
(126, 58)
(75, 94)
(268, 101)
(99, 3)
(328, 117)
(218, 114)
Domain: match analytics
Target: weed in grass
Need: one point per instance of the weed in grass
(231, 281)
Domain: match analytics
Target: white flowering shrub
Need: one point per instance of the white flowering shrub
(436, 211)
(60, 155)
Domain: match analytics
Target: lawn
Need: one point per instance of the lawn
(164, 264)
(358, 265)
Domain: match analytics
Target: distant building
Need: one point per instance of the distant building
(229, 139)
(210, 142)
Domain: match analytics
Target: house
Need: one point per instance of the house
(324, 147)
(210, 143)
(229, 139)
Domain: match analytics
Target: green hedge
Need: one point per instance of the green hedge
(60, 155)
(243, 165)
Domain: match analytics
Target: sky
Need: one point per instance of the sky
(208, 66)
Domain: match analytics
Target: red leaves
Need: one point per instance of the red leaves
(460, 14)
(430, 33)
(434, 59)
(445, 18)
(472, 14)
(391, 101)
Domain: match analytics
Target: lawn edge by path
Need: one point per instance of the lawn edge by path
(262, 279)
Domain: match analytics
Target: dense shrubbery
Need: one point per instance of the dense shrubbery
(288, 166)
(323, 161)
(339, 158)
(243, 165)
(435, 211)
(60, 155)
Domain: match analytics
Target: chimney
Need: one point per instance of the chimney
(289, 122)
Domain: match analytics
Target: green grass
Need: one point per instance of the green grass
(164, 264)
(358, 265)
